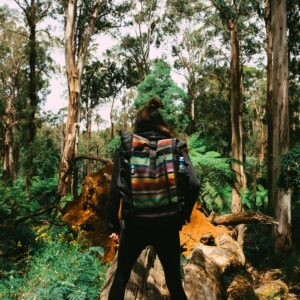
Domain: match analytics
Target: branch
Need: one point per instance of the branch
(19, 4)
(87, 35)
(243, 218)
(13, 31)
(37, 212)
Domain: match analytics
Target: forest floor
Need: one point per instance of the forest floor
(263, 266)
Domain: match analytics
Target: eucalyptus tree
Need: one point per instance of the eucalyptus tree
(293, 24)
(233, 15)
(34, 12)
(280, 120)
(269, 52)
(83, 20)
(13, 40)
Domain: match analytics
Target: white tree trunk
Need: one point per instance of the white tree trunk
(74, 68)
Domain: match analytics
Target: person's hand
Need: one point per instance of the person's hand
(115, 237)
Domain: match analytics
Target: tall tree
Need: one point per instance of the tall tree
(75, 60)
(34, 12)
(230, 11)
(280, 121)
(269, 51)
(293, 24)
(12, 61)
(83, 19)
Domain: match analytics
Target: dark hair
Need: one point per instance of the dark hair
(149, 118)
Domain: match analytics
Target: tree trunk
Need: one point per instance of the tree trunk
(236, 120)
(192, 99)
(31, 20)
(75, 62)
(112, 125)
(270, 179)
(88, 136)
(8, 159)
(280, 122)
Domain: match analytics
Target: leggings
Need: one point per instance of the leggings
(167, 246)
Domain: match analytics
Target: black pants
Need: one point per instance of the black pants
(167, 246)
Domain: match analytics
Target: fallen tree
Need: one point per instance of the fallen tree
(208, 247)
(201, 273)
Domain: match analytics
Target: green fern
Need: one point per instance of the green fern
(215, 175)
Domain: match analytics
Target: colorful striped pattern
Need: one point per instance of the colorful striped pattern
(148, 190)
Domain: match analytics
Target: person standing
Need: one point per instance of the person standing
(154, 177)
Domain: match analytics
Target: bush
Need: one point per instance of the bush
(58, 269)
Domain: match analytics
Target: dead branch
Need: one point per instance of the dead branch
(242, 218)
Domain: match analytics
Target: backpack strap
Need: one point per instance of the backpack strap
(126, 141)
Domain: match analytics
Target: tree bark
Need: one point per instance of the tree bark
(88, 136)
(192, 99)
(32, 19)
(280, 122)
(112, 125)
(236, 120)
(270, 179)
(242, 218)
(8, 159)
(75, 63)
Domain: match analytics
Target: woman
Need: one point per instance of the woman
(161, 229)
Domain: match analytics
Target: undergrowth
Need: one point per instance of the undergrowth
(59, 268)
(39, 261)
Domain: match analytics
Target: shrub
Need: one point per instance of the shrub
(59, 269)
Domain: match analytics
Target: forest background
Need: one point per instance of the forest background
(227, 73)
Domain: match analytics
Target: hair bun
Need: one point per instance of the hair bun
(155, 103)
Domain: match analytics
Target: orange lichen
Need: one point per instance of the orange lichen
(87, 213)
(199, 227)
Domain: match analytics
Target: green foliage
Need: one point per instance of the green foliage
(16, 203)
(160, 85)
(58, 269)
(113, 146)
(46, 155)
(212, 111)
(255, 200)
(215, 175)
(290, 170)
